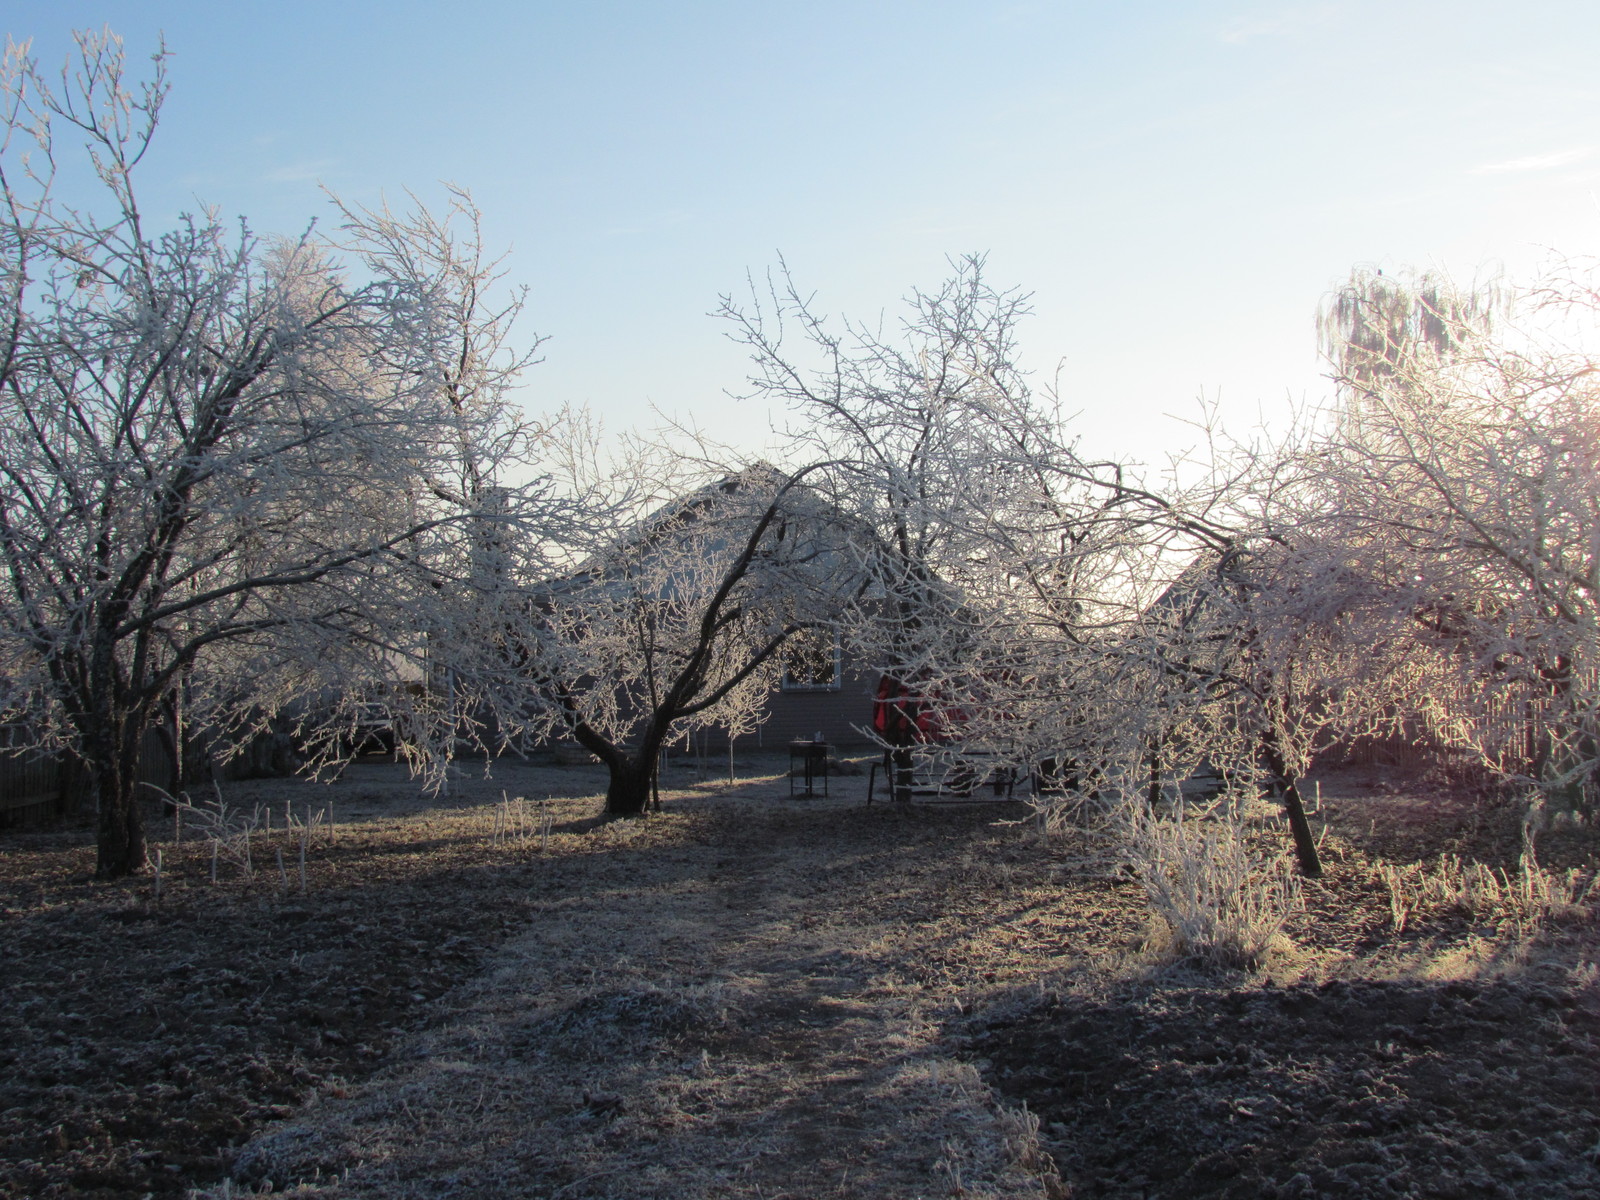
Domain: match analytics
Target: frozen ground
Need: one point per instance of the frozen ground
(756, 996)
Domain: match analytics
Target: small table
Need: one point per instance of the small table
(808, 761)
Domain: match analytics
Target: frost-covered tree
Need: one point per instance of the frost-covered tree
(1038, 609)
(1007, 568)
(937, 449)
(480, 473)
(681, 593)
(1465, 463)
(221, 462)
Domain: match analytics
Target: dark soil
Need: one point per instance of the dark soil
(1362, 1088)
(140, 1042)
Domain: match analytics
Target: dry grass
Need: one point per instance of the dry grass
(1218, 901)
(744, 996)
(1522, 900)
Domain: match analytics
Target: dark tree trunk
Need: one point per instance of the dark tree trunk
(109, 745)
(628, 793)
(633, 773)
(1305, 846)
(120, 841)
(172, 742)
(1153, 790)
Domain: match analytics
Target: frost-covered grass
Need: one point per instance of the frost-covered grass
(1217, 899)
(1525, 898)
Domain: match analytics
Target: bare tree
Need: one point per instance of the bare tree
(497, 534)
(682, 592)
(1003, 561)
(935, 443)
(214, 459)
(1034, 606)
(1466, 466)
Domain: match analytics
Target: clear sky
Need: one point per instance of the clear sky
(1178, 184)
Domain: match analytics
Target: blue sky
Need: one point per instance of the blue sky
(1178, 184)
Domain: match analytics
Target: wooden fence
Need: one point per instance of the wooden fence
(39, 785)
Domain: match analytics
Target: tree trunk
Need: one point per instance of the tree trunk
(171, 734)
(1305, 846)
(633, 773)
(1153, 790)
(120, 841)
(628, 793)
(109, 745)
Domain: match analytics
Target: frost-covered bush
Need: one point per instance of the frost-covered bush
(1221, 902)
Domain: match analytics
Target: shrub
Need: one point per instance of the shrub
(1221, 903)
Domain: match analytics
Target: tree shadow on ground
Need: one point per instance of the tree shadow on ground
(1359, 1087)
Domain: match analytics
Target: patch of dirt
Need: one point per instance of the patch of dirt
(1347, 1088)
(141, 1042)
(752, 995)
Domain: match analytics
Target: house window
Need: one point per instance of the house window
(811, 662)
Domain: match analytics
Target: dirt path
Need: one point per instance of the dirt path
(742, 998)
